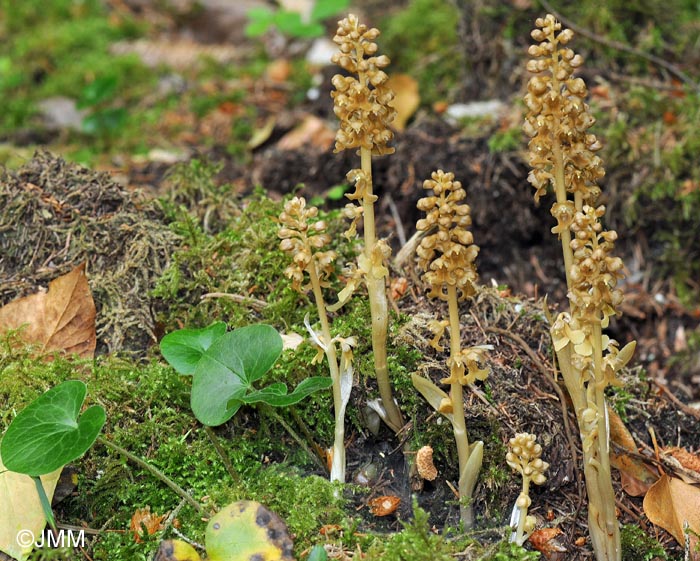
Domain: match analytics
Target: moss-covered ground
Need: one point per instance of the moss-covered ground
(201, 139)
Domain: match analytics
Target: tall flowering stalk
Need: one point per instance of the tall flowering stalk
(304, 237)
(362, 104)
(562, 155)
(447, 254)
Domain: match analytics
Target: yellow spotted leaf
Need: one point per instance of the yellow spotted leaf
(247, 530)
(176, 550)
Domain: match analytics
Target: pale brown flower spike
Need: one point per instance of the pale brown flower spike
(524, 457)
(362, 103)
(447, 254)
(304, 237)
(562, 154)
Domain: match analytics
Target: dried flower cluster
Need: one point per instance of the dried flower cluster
(558, 113)
(361, 101)
(447, 253)
(562, 155)
(303, 238)
(524, 457)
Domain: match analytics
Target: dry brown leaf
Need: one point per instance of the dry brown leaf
(407, 98)
(144, 520)
(686, 459)
(311, 131)
(671, 503)
(547, 542)
(384, 505)
(636, 476)
(61, 319)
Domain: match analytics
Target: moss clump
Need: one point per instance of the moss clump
(422, 41)
(57, 215)
(415, 543)
(637, 545)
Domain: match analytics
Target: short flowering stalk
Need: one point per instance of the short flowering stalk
(524, 457)
(361, 103)
(447, 256)
(562, 154)
(303, 238)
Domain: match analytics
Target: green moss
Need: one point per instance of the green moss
(507, 551)
(637, 545)
(415, 543)
(422, 41)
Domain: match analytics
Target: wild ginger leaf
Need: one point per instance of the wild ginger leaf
(48, 433)
(183, 348)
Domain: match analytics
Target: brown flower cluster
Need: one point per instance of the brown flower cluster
(447, 253)
(558, 118)
(362, 100)
(303, 238)
(595, 272)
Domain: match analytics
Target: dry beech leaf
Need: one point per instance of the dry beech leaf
(144, 518)
(636, 476)
(385, 505)
(312, 131)
(61, 319)
(670, 503)
(406, 100)
(546, 541)
(687, 459)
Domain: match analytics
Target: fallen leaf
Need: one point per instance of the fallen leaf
(385, 505)
(21, 516)
(671, 503)
(406, 100)
(176, 550)
(144, 522)
(312, 131)
(247, 530)
(278, 70)
(546, 541)
(261, 134)
(685, 458)
(61, 319)
(636, 476)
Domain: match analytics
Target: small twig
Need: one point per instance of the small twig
(677, 402)
(393, 209)
(222, 454)
(155, 472)
(247, 300)
(658, 61)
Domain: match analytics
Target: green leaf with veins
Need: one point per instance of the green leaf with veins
(49, 433)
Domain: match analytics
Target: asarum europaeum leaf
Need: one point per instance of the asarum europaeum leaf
(50, 432)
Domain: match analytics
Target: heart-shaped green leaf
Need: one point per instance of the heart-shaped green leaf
(227, 369)
(183, 348)
(258, 347)
(48, 434)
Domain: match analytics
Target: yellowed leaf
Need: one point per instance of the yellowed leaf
(636, 476)
(21, 516)
(671, 504)
(61, 319)
(407, 98)
(312, 131)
